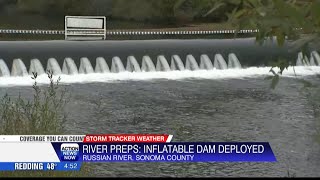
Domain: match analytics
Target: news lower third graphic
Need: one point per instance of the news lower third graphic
(68, 152)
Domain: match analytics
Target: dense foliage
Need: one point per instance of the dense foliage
(294, 20)
(271, 17)
(139, 10)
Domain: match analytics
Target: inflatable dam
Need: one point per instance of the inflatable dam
(21, 58)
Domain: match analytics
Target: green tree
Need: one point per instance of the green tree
(280, 19)
(54, 7)
(294, 20)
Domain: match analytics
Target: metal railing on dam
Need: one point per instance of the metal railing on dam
(133, 32)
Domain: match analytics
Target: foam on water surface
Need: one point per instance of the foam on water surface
(252, 72)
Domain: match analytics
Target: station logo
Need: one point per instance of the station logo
(69, 152)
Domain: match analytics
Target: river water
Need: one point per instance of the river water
(227, 108)
(216, 105)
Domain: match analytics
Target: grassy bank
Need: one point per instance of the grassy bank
(43, 115)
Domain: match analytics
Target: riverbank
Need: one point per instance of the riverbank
(34, 22)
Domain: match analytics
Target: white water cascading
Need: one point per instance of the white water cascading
(147, 64)
(162, 64)
(205, 62)
(117, 65)
(101, 65)
(219, 62)
(191, 63)
(302, 61)
(18, 68)
(132, 64)
(53, 66)
(233, 62)
(36, 67)
(69, 67)
(176, 63)
(85, 66)
(314, 58)
(312, 61)
(4, 70)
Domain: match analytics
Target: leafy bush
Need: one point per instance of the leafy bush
(294, 20)
(41, 116)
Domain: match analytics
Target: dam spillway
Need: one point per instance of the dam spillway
(70, 68)
(88, 57)
(246, 50)
(131, 65)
